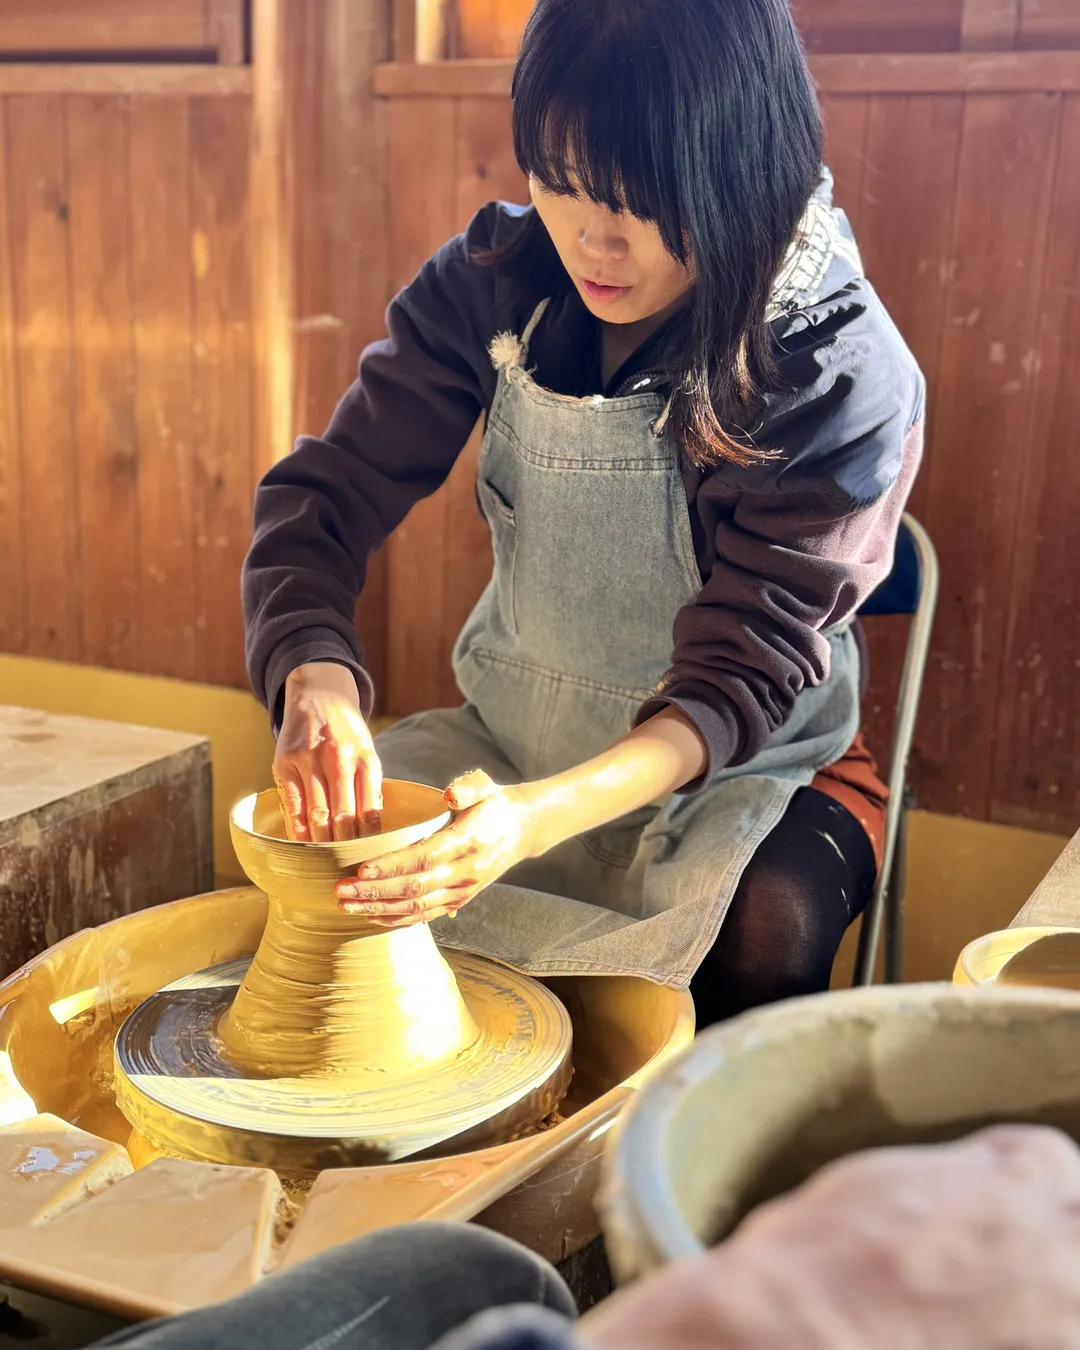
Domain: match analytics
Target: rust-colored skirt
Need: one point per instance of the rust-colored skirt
(855, 783)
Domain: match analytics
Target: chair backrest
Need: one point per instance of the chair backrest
(899, 592)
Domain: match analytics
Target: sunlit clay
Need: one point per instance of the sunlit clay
(344, 1042)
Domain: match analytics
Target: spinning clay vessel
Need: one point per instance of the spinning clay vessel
(339, 1042)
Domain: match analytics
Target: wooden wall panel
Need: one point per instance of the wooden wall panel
(1046, 25)
(1037, 749)
(137, 405)
(104, 378)
(40, 259)
(12, 543)
(989, 25)
(161, 248)
(876, 26)
(221, 349)
(847, 122)
(905, 236)
(490, 28)
(1006, 167)
(212, 28)
(127, 457)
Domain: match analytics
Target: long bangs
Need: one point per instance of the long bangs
(599, 121)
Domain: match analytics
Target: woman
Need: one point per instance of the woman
(701, 430)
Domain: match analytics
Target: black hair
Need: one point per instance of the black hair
(699, 116)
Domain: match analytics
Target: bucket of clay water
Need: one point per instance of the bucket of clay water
(757, 1105)
(1040, 957)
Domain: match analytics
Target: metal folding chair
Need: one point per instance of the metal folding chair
(910, 588)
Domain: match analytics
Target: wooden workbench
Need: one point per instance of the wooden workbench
(96, 819)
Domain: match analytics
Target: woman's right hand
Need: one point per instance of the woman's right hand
(326, 769)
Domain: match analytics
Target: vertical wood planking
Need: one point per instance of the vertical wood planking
(226, 30)
(161, 283)
(223, 459)
(491, 28)
(846, 122)
(102, 339)
(423, 216)
(12, 542)
(37, 201)
(1047, 25)
(878, 25)
(906, 222)
(999, 235)
(905, 238)
(989, 25)
(1036, 777)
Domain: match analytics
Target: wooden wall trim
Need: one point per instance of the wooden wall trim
(191, 81)
(950, 73)
(918, 73)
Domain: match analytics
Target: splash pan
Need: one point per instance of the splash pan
(81, 1220)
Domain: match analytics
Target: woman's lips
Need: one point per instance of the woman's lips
(604, 294)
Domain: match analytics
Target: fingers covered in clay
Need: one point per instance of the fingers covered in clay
(470, 789)
(326, 768)
(448, 870)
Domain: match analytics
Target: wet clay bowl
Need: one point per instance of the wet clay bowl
(756, 1106)
(411, 812)
(1044, 957)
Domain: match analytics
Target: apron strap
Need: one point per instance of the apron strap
(507, 350)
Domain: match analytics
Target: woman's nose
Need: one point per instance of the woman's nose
(601, 241)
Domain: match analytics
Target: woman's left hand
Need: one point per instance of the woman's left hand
(440, 875)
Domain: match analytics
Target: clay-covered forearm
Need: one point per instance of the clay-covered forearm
(654, 760)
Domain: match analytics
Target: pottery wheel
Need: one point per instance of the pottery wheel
(175, 1084)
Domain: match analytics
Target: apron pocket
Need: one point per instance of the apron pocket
(502, 522)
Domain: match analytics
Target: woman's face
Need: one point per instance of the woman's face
(618, 263)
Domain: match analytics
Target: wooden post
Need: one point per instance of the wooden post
(404, 31)
(271, 253)
(323, 280)
(434, 29)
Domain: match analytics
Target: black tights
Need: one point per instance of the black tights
(811, 877)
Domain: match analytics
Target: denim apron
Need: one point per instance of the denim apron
(593, 559)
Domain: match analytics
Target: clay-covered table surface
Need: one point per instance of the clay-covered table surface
(1056, 901)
